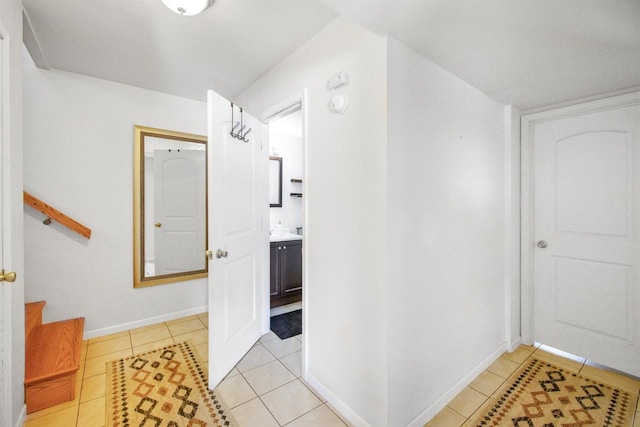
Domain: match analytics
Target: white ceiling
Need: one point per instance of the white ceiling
(528, 53)
(142, 43)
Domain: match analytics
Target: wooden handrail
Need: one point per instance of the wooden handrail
(55, 214)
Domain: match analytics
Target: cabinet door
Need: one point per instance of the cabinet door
(291, 264)
(275, 271)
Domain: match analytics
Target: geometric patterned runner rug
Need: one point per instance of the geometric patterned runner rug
(543, 395)
(166, 387)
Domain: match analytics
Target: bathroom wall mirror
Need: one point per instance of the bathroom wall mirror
(169, 206)
(275, 182)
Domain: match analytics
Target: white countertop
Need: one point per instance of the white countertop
(284, 237)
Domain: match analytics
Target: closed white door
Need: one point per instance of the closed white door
(179, 208)
(586, 235)
(238, 203)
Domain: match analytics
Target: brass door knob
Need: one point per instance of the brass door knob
(157, 224)
(7, 277)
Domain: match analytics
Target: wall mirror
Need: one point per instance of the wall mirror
(275, 182)
(169, 206)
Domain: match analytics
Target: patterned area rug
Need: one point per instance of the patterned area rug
(542, 395)
(165, 387)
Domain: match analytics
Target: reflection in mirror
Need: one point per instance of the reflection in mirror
(275, 182)
(170, 209)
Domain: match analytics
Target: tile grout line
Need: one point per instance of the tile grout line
(468, 419)
(310, 410)
(269, 410)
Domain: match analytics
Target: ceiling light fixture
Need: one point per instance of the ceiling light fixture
(187, 7)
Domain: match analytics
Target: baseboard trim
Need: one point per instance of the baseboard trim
(285, 309)
(22, 417)
(514, 344)
(144, 322)
(447, 397)
(336, 403)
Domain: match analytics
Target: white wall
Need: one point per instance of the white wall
(345, 196)
(78, 144)
(290, 149)
(12, 295)
(446, 216)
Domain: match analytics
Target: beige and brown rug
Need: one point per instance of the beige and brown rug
(165, 387)
(542, 395)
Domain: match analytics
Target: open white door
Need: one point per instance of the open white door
(238, 238)
(11, 290)
(179, 210)
(5, 306)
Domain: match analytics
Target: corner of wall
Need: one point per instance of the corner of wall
(512, 225)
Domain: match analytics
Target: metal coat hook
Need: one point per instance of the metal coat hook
(240, 134)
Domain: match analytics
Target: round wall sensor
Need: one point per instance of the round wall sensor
(338, 103)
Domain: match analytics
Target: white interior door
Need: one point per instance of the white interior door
(587, 212)
(11, 294)
(5, 307)
(179, 208)
(238, 276)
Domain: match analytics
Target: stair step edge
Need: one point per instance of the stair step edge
(53, 350)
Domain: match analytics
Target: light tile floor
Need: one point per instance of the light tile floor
(265, 389)
(464, 406)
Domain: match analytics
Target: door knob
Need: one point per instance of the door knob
(158, 224)
(7, 277)
(208, 254)
(221, 254)
(542, 244)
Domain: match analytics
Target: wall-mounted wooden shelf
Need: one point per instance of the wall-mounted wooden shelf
(53, 213)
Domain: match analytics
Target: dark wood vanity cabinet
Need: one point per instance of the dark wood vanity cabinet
(286, 272)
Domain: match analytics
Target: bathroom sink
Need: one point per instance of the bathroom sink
(281, 237)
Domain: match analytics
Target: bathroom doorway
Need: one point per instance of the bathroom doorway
(286, 219)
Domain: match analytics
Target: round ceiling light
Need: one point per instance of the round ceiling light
(187, 7)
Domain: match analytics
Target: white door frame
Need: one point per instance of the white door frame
(528, 204)
(278, 110)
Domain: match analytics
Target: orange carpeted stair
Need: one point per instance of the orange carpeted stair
(52, 358)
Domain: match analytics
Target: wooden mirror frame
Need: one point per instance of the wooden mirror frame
(139, 279)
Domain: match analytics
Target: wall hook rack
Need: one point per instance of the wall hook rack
(241, 134)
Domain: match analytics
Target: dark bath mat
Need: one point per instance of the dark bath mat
(287, 325)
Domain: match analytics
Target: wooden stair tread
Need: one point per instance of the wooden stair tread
(53, 350)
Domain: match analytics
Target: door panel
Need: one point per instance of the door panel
(598, 284)
(274, 271)
(292, 268)
(240, 285)
(593, 181)
(179, 209)
(237, 205)
(586, 285)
